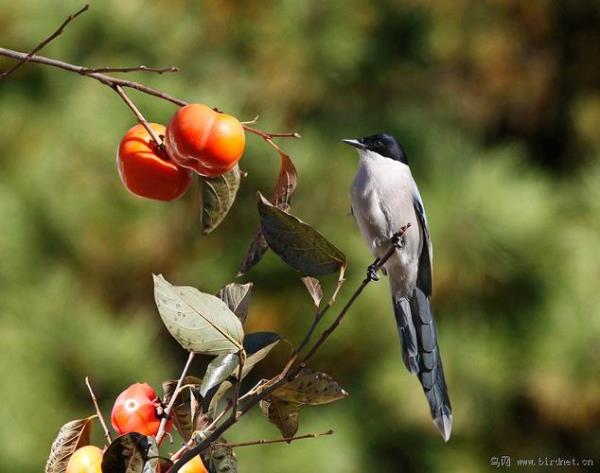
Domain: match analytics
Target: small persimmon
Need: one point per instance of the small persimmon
(137, 410)
(86, 459)
(195, 465)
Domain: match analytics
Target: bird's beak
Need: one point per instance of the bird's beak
(355, 143)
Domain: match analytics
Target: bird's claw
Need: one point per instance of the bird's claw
(397, 242)
(372, 273)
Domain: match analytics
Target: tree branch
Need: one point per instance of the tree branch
(163, 423)
(266, 442)
(142, 68)
(98, 411)
(113, 82)
(376, 266)
(57, 33)
(119, 90)
(289, 374)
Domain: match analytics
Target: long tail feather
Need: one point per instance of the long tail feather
(421, 355)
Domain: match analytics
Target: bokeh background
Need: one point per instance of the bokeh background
(498, 105)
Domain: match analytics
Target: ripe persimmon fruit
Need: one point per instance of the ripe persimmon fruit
(146, 169)
(209, 142)
(137, 410)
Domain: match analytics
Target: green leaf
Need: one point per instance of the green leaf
(282, 414)
(186, 406)
(311, 387)
(128, 454)
(218, 371)
(313, 286)
(70, 437)
(200, 322)
(257, 346)
(297, 243)
(282, 194)
(217, 195)
(237, 298)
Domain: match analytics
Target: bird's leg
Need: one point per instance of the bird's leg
(372, 271)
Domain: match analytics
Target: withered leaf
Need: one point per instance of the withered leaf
(70, 437)
(185, 406)
(127, 454)
(282, 414)
(311, 387)
(285, 185)
(221, 458)
(152, 464)
(313, 286)
(237, 298)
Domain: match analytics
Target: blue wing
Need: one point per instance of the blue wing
(424, 274)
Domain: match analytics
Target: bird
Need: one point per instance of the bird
(384, 198)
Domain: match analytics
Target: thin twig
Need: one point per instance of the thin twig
(183, 448)
(98, 411)
(104, 78)
(112, 82)
(57, 33)
(119, 90)
(214, 435)
(321, 313)
(142, 68)
(216, 420)
(377, 265)
(266, 442)
(268, 136)
(292, 373)
(163, 423)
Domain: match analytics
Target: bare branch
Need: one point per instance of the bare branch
(142, 68)
(289, 374)
(98, 411)
(163, 423)
(104, 78)
(376, 266)
(57, 33)
(112, 82)
(266, 442)
(119, 90)
(268, 136)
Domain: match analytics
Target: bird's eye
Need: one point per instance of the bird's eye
(379, 143)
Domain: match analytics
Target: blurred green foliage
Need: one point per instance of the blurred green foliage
(498, 105)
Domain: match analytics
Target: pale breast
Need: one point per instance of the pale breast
(382, 197)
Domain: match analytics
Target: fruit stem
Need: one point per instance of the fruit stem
(119, 90)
